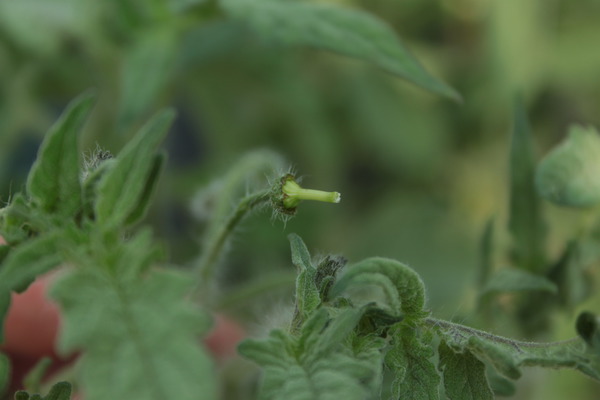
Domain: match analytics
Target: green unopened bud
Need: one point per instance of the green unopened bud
(288, 194)
(570, 174)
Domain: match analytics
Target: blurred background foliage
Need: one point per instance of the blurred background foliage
(420, 174)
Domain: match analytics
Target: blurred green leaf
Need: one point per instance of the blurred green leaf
(147, 68)
(122, 189)
(24, 263)
(568, 175)
(570, 276)
(53, 21)
(486, 247)
(146, 327)
(59, 391)
(146, 196)
(4, 372)
(525, 220)
(53, 182)
(34, 377)
(517, 280)
(338, 29)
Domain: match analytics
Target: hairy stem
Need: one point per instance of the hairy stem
(465, 332)
(207, 263)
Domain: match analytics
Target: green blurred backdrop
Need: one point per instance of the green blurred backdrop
(420, 175)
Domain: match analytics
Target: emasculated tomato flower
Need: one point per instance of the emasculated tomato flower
(287, 194)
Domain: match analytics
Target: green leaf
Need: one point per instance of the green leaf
(122, 187)
(321, 364)
(525, 219)
(569, 275)
(464, 375)
(500, 385)
(24, 263)
(4, 372)
(587, 328)
(402, 287)
(307, 293)
(139, 337)
(337, 29)
(53, 182)
(147, 194)
(517, 280)
(60, 391)
(17, 220)
(32, 381)
(409, 359)
(567, 176)
(147, 68)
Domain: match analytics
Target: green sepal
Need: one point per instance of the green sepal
(122, 187)
(53, 182)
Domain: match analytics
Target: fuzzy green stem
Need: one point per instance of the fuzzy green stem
(207, 264)
(468, 331)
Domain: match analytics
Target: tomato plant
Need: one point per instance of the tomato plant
(116, 282)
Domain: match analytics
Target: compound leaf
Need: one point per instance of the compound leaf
(337, 29)
(320, 365)
(145, 327)
(53, 182)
